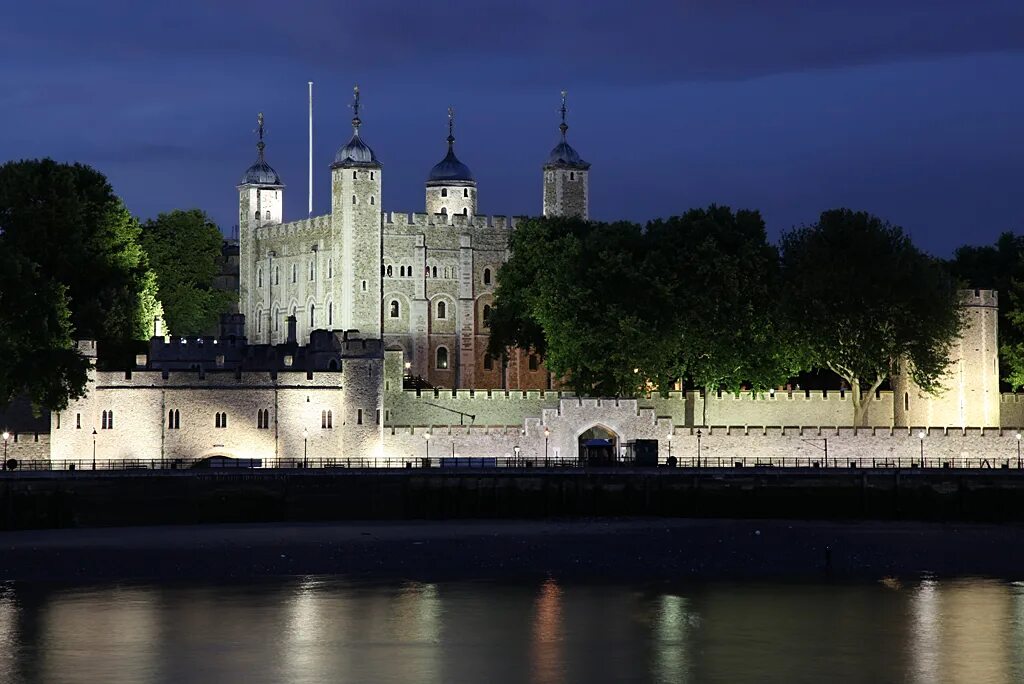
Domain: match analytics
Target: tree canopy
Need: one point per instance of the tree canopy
(862, 299)
(72, 268)
(184, 249)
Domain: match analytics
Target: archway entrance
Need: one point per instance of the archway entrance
(598, 446)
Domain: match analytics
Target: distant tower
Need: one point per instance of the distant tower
(451, 188)
(970, 394)
(356, 231)
(566, 186)
(260, 202)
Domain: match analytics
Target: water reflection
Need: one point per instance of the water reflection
(317, 630)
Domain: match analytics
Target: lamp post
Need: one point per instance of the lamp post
(670, 445)
(7, 436)
(515, 450)
(547, 433)
(305, 448)
(426, 437)
(94, 448)
(920, 436)
(698, 448)
(1018, 449)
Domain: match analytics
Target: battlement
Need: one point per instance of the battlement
(982, 298)
(421, 221)
(311, 225)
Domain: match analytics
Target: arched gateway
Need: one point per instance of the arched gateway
(598, 446)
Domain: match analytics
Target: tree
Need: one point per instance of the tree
(65, 219)
(718, 280)
(862, 299)
(184, 249)
(36, 345)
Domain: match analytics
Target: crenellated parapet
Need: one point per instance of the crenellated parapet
(400, 222)
(314, 225)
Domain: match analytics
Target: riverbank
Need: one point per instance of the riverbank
(654, 550)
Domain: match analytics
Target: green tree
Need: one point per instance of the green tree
(184, 249)
(65, 219)
(717, 278)
(39, 359)
(862, 299)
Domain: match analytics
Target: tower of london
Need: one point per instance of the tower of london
(423, 282)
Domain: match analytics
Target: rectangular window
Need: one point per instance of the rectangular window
(359, 416)
(378, 416)
(78, 421)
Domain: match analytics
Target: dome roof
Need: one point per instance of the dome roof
(355, 153)
(565, 155)
(450, 169)
(260, 173)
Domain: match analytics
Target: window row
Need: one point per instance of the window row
(449, 272)
(311, 272)
(444, 192)
(355, 201)
(440, 309)
(355, 175)
(276, 317)
(107, 420)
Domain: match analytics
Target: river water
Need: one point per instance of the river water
(328, 630)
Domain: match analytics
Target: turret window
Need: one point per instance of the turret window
(267, 216)
(371, 175)
(442, 358)
(465, 192)
(353, 199)
(444, 192)
(442, 310)
(487, 276)
(220, 420)
(396, 309)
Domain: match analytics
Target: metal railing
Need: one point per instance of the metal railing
(509, 463)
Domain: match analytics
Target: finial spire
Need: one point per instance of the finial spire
(356, 121)
(259, 131)
(451, 126)
(563, 126)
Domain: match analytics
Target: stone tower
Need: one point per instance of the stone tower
(451, 188)
(566, 183)
(260, 203)
(356, 232)
(970, 395)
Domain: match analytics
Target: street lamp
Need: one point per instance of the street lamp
(1018, 448)
(698, 448)
(547, 433)
(305, 448)
(94, 448)
(426, 436)
(515, 450)
(670, 445)
(7, 436)
(921, 436)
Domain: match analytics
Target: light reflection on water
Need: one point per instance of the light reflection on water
(324, 629)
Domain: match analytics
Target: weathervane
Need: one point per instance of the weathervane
(563, 126)
(356, 121)
(259, 131)
(451, 125)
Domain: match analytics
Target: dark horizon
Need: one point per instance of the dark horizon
(911, 112)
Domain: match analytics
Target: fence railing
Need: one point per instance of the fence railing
(507, 463)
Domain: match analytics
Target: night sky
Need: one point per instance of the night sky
(911, 109)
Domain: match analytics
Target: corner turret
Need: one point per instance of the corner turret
(566, 183)
(451, 188)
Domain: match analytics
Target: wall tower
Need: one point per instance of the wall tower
(970, 394)
(451, 188)
(260, 202)
(356, 231)
(566, 183)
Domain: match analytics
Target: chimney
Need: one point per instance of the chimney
(291, 330)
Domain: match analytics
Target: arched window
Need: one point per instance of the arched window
(444, 211)
(107, 420)
(259, 277)
(533, 362)
(465, 192)
(353, 199)
(396, 309)
(442, 358)
(355, 175)
(257, 215)
(487, 315)
(277, 319)
(323, 420)
(401, 271)
(444, 192)
(173, 419)
(371, 200)
(267, 215)
(426, 271)
(220, 420)
(433, 273)
(390, 271)
(259, 320)
(488, 362)
(442, 310)
(487, 276)
(371, 175)
(572, 175)
(312, 316)
(465, 212)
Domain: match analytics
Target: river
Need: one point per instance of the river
(325, 629)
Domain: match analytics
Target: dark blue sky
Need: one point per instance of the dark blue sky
(912, 109)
